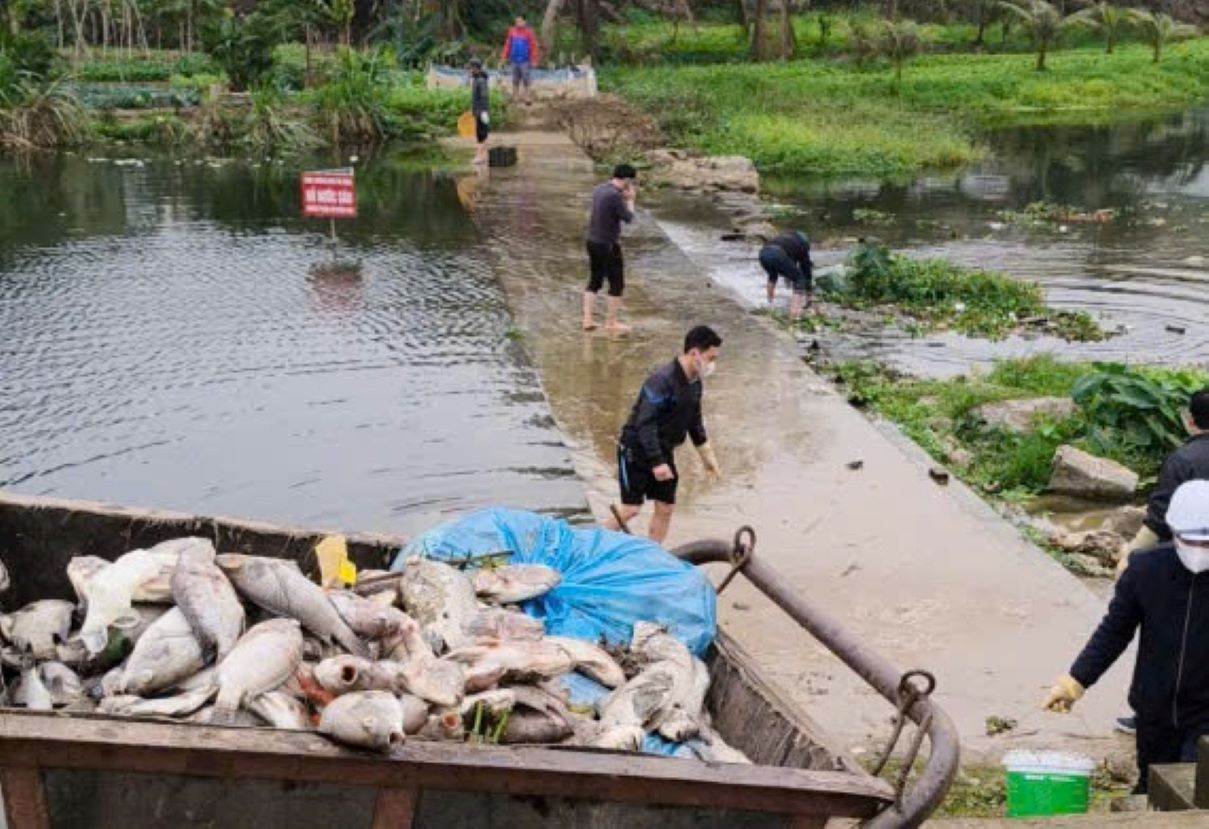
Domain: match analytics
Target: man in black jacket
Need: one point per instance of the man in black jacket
(1188, 463)
(788, 257)
(1165, 593)
(667, 410)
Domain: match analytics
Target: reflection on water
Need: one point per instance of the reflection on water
(1146, 271)
(176, 335)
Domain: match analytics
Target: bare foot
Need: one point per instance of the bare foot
(617, 328)
(589, 325)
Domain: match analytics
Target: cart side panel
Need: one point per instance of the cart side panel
(755, 718)
(39, 536)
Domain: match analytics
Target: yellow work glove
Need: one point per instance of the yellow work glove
(334, 565)
(1065, 693)
(709, 459)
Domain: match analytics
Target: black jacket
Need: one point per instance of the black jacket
(1188, 463)
(798, 251)
(667, 409)
(1171, 605)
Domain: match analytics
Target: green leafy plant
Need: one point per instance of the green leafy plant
(1141, 409)
(1105, 18)
(1044, 22)
(241, 47)
(353, 105)
(898, 42)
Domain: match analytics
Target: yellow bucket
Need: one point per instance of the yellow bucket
(466, 125)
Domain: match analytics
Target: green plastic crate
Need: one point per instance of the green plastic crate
(1047, 783)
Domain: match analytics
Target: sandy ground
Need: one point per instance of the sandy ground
(929, 575)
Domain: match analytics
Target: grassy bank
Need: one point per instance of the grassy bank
(824, 117)
(1128, 414)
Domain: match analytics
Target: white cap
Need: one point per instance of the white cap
(1188, 514)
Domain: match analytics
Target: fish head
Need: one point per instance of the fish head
(137, 682)
(231, 562)
(7, 621)
(94, 638)
(340, 674)
(5, 583)
(383, 732)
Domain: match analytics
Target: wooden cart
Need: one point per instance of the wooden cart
(95, 771)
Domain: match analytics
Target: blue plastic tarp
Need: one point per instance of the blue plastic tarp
(610, 580)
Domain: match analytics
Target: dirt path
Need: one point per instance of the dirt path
(927, 574)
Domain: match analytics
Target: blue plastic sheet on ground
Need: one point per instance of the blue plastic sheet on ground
(610, 580)
(654, 744)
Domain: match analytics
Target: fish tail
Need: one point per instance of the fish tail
(351, 643)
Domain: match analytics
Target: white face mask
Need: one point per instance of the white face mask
(705, 369)
(1196, 559)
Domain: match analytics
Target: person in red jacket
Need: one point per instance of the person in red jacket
(521, 52)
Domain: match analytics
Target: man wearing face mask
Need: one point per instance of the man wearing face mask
(1165, 593)
(667, 410)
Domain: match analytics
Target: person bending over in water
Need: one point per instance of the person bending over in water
(788, 257)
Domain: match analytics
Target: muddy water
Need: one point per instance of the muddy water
(1145, 273)
(174, 335)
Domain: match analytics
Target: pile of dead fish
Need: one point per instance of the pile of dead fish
(432, 652)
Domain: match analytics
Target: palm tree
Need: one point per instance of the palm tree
(1159, 29)
(1103, 17)
(1043, 21)
(981, 13)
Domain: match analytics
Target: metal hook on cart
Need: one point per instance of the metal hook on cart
(909, 693)
(740, 554)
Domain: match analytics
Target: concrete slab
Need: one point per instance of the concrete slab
(929, 575)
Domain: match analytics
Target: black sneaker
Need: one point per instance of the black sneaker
(1127, 725)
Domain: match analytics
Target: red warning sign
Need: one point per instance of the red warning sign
(329, 194)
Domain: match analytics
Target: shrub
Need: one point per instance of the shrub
(1136, 408)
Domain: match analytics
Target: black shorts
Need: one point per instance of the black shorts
(638, 483)
(776, 262)
(605, 263)
(481, 130)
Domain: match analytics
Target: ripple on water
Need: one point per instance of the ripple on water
(182, 359)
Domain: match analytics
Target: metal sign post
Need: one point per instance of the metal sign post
(329, 194)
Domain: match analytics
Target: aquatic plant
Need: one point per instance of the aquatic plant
(273, 125)
(353, 105)
(38, 115)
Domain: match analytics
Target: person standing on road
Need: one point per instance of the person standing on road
(521, 53)
(612, 205)
(667, 410)
(480, 107)
(1164, 591)
(1188, 463)
(788, 256)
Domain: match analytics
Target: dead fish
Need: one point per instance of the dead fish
(345, 674)
(683, 717)
(181, 705)
(502, 623)
(111, 592)
(109, 685)
(653, 642)
(440, 681)
(31, 692)
(496, 702)
(520, 661)
(533, 727)
(281, 710)
(514, 583)
(381, 586)
(615, 737)
(281, 588)
(365, 719)
(444, 725)
(415, 712)
(263, 658)
(62, 682)
(708, 745)
(368, 618)
(38, 627)
(241, 718)
(207, 599)
(441, 599)
(591, 660)
(80, 571)
(166, 654)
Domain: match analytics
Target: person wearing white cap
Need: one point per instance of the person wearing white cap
(1164, 592)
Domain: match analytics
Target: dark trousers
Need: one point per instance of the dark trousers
(1163, 743)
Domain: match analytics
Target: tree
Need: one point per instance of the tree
(1042, 20)
(1159, 29)
(982, 13)
(757, 30)
(898, 42)
(789, 39)
(550, 25)
(1105, 18)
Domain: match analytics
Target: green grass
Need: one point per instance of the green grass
(829, 118)
(156, 66)
(937, 294)
(938, 415)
